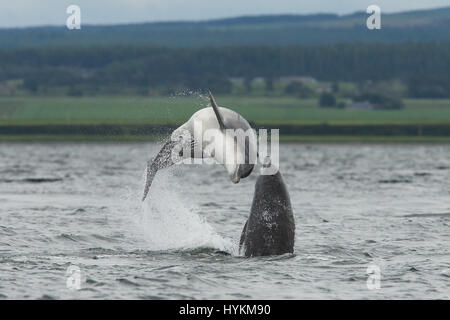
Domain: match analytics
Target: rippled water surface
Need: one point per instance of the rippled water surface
(355, 206)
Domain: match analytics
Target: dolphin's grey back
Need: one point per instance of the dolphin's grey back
(270, 228)
(233, 119)
(230, 118)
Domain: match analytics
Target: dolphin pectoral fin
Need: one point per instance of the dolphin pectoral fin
(161, 161)
(217, 112)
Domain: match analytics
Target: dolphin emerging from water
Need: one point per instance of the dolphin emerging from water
(213, 132)
(270, 228)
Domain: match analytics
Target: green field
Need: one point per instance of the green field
(175, 110)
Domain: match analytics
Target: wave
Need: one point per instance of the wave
(427, 215)
(32, 180)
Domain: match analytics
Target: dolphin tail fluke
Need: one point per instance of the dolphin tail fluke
(162, 160)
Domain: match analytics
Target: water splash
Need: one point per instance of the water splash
(169, 221)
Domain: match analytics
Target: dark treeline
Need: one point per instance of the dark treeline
(425, 130)
(273, 30)
(143, 67)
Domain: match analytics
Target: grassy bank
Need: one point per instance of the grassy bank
(79, 138)
(134, 118)
(176, 110)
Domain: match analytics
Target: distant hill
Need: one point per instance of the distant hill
(423, 25)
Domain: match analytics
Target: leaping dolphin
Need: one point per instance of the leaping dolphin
(217, 127)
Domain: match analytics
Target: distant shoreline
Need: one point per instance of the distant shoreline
(42, 138)
(318, 132)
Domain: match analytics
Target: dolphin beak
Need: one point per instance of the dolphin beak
(236, 177)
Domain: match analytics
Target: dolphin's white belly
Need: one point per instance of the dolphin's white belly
(219, 144)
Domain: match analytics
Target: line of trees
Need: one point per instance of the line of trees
(424, 66)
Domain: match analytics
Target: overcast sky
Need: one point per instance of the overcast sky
(20, 13)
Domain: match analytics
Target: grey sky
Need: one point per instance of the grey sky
(20, 13)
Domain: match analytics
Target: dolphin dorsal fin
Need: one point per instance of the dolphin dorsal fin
(217, 112)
